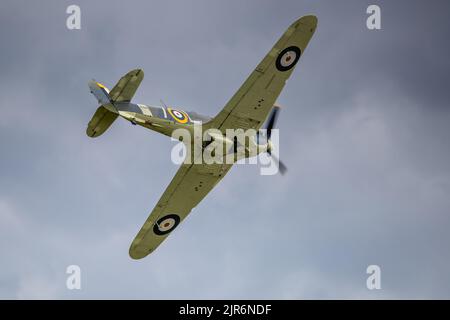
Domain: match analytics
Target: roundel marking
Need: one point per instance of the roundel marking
(166, 224)
(178, 115)
(288, 58)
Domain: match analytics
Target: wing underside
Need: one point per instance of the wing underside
(189, 186)
(251, 104)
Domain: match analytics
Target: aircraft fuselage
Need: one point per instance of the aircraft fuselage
(158, 118)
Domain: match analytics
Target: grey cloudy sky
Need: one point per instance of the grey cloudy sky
(364, 131)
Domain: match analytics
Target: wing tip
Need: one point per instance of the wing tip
(137, 254)
(309, 20)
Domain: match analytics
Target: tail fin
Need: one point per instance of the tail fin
(123, 91)
(100, 92)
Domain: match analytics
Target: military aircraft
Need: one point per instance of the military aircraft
(249, 108)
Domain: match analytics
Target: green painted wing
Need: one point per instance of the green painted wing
(251, 104)
(189, 186)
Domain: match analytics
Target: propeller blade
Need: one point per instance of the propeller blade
(270, 125)
(281, 167)
(272, 121)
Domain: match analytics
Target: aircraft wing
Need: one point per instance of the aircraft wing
(251, 104)
(190, 185)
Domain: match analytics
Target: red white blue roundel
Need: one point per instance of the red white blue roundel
(288, 58)
(166, 224)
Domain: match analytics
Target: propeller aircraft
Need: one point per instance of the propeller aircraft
(250, 107)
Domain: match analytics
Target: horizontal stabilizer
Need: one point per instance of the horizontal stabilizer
(126, 87)
(100, 122)
(123, 91)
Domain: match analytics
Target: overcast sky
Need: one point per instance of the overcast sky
(364, 130)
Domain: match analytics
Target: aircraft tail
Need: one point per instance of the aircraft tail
(107, 113)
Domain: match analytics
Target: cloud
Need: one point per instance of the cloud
(364, 132)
